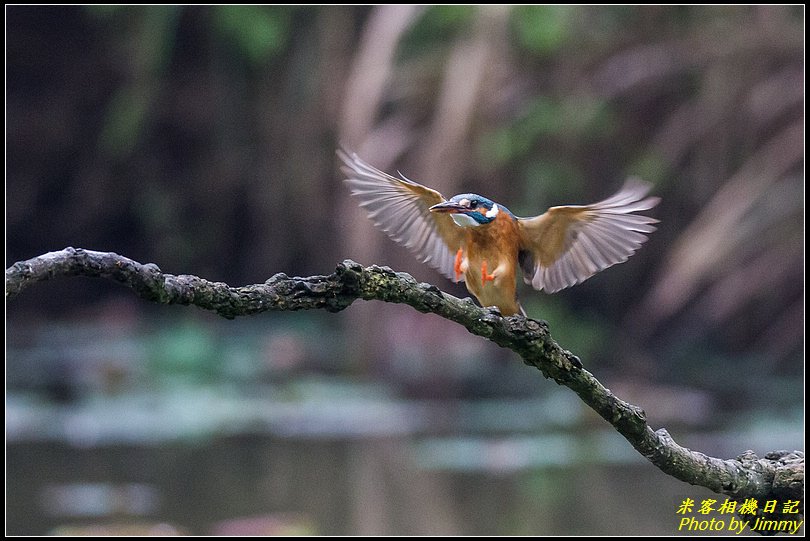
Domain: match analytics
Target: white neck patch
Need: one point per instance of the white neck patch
(462, 220)
(493, 211)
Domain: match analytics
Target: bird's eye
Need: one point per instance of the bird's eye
(474, 203)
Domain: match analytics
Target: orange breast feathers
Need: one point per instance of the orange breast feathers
(489, 263)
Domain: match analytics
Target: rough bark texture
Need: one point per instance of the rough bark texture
(777, 476)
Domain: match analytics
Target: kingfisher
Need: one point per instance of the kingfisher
(473, 239)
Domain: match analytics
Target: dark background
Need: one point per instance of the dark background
(203, 139)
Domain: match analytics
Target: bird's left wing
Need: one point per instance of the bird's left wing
(568, 244)
(399, 207)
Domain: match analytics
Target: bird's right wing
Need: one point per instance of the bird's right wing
(569, 244)
(399, 207)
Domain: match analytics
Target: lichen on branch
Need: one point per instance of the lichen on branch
(777, 476)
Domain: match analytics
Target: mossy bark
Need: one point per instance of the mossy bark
(777, 476)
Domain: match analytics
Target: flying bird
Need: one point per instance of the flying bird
(473, 239)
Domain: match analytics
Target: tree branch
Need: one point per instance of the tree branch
(777, 476)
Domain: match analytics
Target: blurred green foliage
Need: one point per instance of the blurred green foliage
(259, 33)
(543, 29)
(585, 332)
(534, 139)
(184, 352)
(436, 28)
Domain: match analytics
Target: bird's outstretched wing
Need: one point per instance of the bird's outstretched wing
(566, 245)
(399, 207)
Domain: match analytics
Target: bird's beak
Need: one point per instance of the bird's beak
(449, 207)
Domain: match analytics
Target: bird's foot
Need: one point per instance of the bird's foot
(485, 276)
(457, 264)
